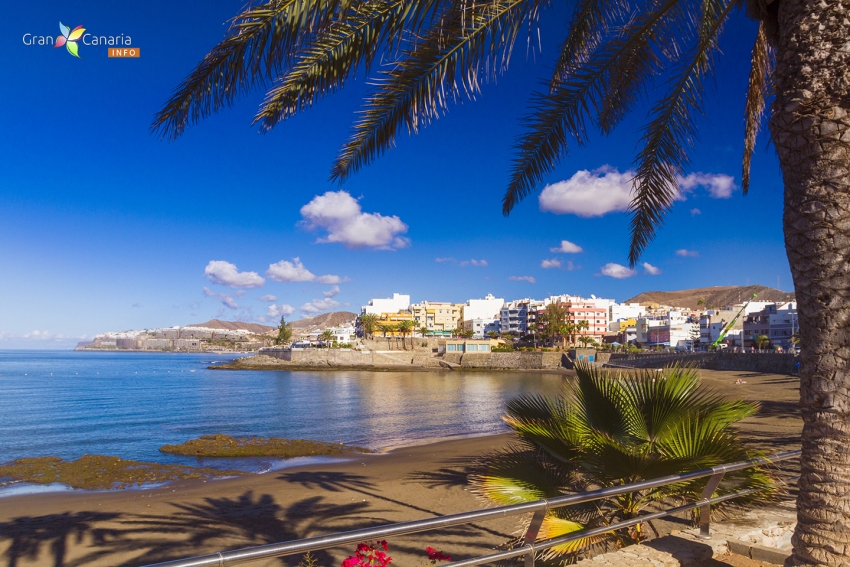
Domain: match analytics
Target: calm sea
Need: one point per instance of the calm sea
(68, 404)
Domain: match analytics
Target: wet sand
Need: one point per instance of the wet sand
(194, 518)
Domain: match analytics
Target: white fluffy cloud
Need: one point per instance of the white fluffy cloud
(294, 271)
(650, 269)
(277, 311)
(270, 298)
(553, 263)
(589, 193)
(443, 260)
(478, 263)
(319, 305)
(332, 292)
(606, 190)
(617, 271)
(226, 300)
(687, 253)
(695, 212)
(224, 273)
(338, 213)
(529, 279)
(719, 185)
(567, 247)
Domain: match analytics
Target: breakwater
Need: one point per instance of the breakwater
(541, 361)
(323, 358)
(767, 362)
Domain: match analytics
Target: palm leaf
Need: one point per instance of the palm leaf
(326, 62)
(561, 113)
(258, 44)
(671, 131)
(432, 72)
(590, 22)
(516, 475)
(757, 92)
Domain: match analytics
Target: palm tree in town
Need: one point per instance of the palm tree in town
(762, 341)
(384, 329)
(368, 321)
(613, 55)
(405, 327)
(493, 334)
(327, 336)
(613, 429)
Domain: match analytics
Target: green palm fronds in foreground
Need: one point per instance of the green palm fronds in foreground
(613, 429)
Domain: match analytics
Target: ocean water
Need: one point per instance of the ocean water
(68, 404)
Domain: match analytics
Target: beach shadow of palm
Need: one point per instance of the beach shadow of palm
(228, 523)
(30, 537)
(325, 480)
(456, 473)
(338, 482)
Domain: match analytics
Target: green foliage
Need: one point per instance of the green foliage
(309, 560)
(284, 332)
(368, 322)
(326, 336)
(762, 341)
(612, 429)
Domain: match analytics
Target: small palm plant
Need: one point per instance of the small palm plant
(762, 341)
(607, 430)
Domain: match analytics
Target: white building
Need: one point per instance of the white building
(623, 311)
(480, 314)
(487, 308)
(675, 329)
(393, 304)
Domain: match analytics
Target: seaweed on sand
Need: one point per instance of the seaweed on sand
(103, 472)
(227, 446)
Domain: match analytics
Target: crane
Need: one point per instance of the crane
(728, 327)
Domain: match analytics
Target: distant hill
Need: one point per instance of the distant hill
(234, 326)
(717, 296)
(325, 320)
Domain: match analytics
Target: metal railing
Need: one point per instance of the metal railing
(529, 547)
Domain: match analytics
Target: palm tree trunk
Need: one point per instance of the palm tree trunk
(811, 131)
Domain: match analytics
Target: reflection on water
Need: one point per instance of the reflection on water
(129, 404)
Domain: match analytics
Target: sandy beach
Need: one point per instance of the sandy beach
(139, 527)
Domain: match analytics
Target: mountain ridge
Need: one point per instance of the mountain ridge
(717, 296)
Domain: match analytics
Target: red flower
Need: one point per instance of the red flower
(437, 555)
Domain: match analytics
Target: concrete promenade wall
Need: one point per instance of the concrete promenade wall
(493, 360)
(767, 362)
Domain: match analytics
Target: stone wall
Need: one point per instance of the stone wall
(422, 358)
(767, 362)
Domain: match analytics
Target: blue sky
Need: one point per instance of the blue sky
(105, 227)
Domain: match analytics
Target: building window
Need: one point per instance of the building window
(471, 348)
(451, 348)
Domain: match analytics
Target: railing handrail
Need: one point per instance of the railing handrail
(299, 546)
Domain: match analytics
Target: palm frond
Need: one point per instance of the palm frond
(671, 131)
(472, 45)
(517, 474)
(590, 22)
(757, 92)
(562, 113)
(324, 64)
(257, 45)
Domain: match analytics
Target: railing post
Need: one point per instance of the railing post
(532, 532)
(705, 509)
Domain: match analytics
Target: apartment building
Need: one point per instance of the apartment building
(777, 321)
(482, 315)
(439, 317)
(394, 304)
(674, 329)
